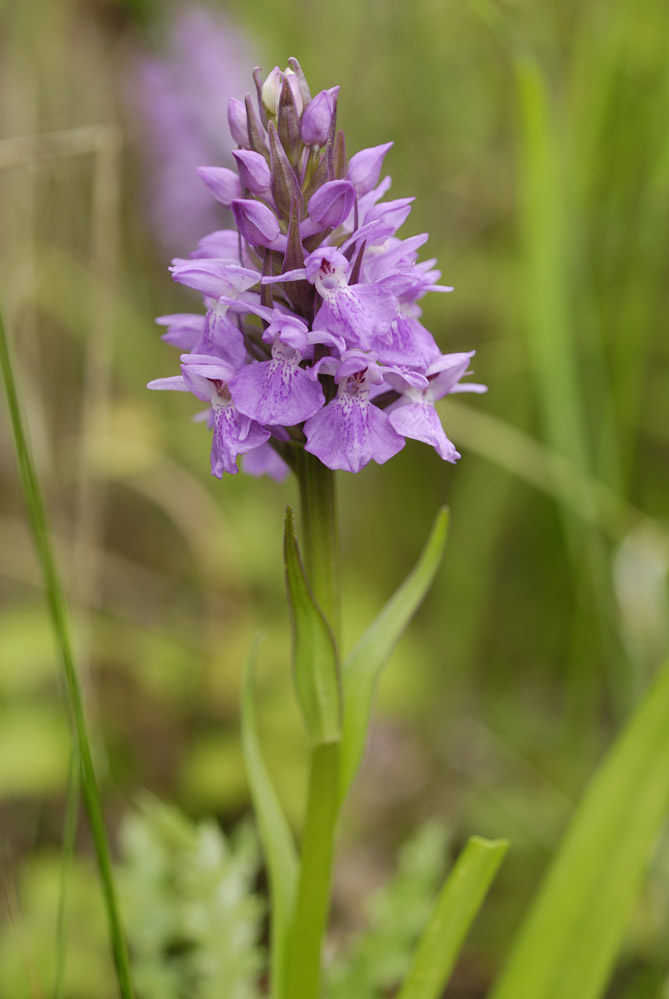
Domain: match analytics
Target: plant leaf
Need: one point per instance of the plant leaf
(397, 913)
(568, 942)
(314, 650)
(364, 664)
(57, 602)
(455, 909)
(275, 834)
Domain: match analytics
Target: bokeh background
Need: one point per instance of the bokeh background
(534, 136)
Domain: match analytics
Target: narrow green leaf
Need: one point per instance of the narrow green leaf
(61, 625)
(363, 666)
(567, 945)
(314, 650)
(275, 834)
(455, 909)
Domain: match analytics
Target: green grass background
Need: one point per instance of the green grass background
(534, 136)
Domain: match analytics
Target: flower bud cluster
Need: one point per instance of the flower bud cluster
(311, 336)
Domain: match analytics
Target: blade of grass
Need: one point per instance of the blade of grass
(458, 903)
(58, 609)
(568, 943)
(553, 318)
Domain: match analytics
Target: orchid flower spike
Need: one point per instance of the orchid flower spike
(311, 336)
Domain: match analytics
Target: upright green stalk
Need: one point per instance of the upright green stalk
(320, 535)
(58, 609)
(321, 556)
(313, 893)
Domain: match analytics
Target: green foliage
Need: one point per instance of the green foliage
(541, 167)
(193, 916)
(29, 944)
(397, 913)
(458, 903)
(569, 941)
(316, 665)
(55, 596)
(364, 664)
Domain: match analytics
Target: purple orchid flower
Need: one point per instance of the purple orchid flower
(279, 391)
(352, 431)
(311, 336)
(208, 379)
(414, 415)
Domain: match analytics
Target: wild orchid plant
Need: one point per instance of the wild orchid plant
(311, 357)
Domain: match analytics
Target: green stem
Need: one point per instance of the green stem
(320, 535)
(313, 893)
(58, 609)
(320, 546)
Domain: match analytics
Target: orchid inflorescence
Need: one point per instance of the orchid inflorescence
(312, 336)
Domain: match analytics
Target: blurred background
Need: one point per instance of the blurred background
(534, 137)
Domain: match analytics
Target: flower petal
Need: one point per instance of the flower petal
(360, 313)
(214, 277)
(364, 167)
(350, 432)
(409, 344)
(419, 420)
(222, 182)
(264, 460)
(276, 392)
(183, 329)
(234, 434)
(221, 338)
(174, 383)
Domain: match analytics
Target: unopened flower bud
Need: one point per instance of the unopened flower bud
(253, 170)
(270, 91)
(238, 123)
(317, 117)
(332, 203)
(365, 167)
(256, 222)
(223, 183)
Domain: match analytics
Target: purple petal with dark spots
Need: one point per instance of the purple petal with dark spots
(350, 432)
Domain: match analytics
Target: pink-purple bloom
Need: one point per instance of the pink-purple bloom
(311, 337)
